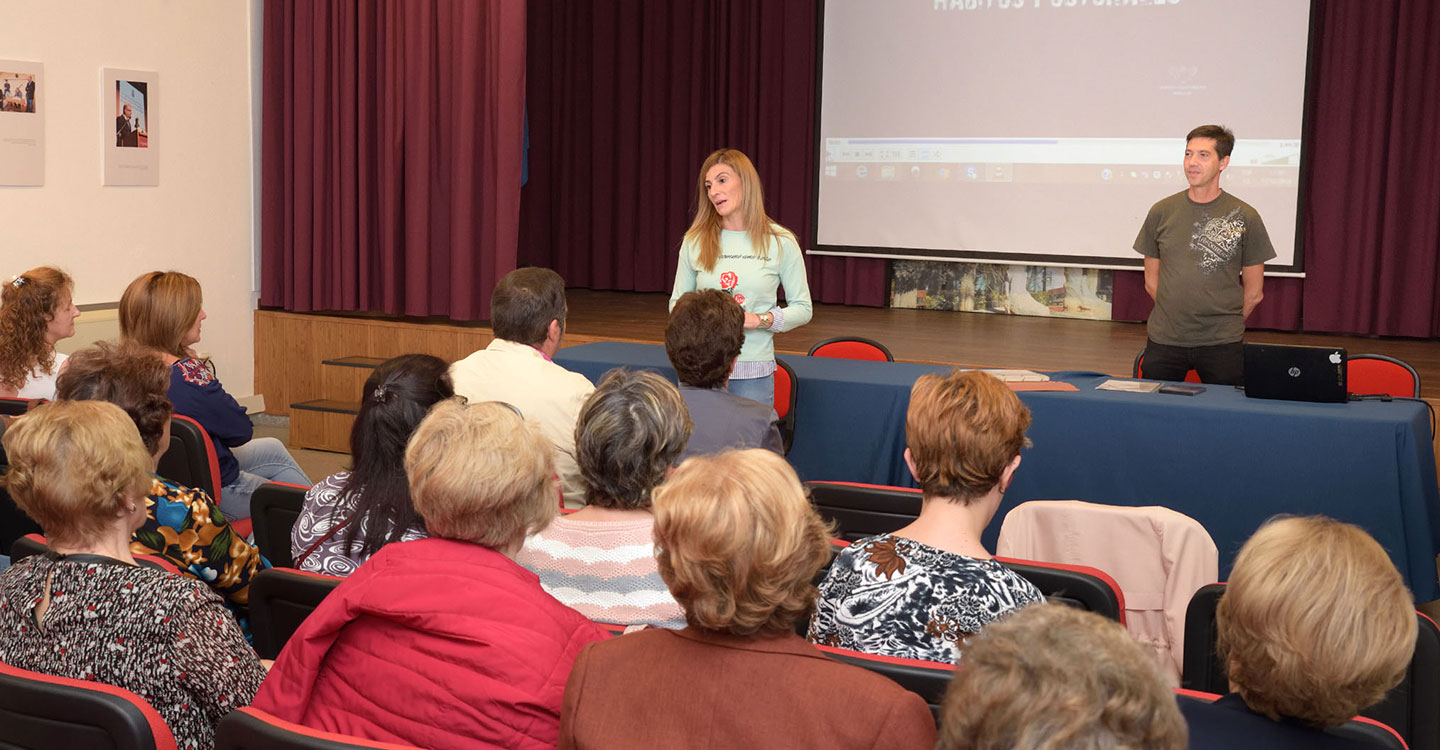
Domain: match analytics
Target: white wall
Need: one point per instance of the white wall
(201, 218)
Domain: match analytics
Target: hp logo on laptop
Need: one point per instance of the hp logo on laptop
(1294, 372)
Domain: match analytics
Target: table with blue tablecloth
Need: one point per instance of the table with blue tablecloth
(1228, 461)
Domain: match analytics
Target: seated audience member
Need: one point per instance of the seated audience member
(36, 312)
(1315, 625)
(445, 642)
(86, 610)
(920, 591)
(181, 523)
(1050, 676)
(702, 340)
(350, 515)
(739, 546)
(527, 315)
(600, 559)
(161, 311)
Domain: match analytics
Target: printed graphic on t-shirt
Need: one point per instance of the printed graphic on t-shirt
(1217, 240)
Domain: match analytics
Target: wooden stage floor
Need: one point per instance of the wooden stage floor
(979, 339)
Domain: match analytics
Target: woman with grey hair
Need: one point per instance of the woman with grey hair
(600, 559)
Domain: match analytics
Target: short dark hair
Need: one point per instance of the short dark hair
(628, 435)
(396, 398)
(524, 303)
(1224, 138)
(128, 376)
(704, 336)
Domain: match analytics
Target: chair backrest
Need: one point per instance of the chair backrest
(13, 521)
(861, 510)
(1373, 374)
(14, 407)
(1409, 707)
(249, 728)
(1159, 556)
(1079, 586)
(1362, 729)
(274, 509)
(786, 392)
(190, 459)
(927, 679)
(281, 599)
(43, 712)
(1191, 376)
(35, 544)
(852, 347)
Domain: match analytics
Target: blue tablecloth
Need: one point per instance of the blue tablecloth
(1228, 461)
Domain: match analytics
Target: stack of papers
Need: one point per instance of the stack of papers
(1133, 386)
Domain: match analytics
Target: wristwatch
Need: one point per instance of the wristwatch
(767, 320)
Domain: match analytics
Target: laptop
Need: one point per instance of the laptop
(1295, 373)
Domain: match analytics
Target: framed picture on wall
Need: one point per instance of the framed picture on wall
(131, 137)
(22, 123)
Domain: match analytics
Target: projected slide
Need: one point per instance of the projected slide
(1043, 130)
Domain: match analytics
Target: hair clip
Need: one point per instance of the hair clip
(18, 281)
(379, 394)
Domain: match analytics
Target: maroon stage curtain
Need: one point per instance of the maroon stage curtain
(627, 98)
(391, 153)
(1371, 211)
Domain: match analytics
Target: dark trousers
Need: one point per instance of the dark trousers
(1221, 364)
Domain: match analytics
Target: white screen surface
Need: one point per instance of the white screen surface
(1044, 130)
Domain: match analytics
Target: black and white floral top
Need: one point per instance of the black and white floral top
(167, 638)
(314, 531)
(893, 596)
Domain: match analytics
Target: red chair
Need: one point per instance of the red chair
(1079, 586)
(861, 510)
(14, 407)
(1361, 729)
(1377, 374)
(274, 509)
(44, 712)
(280, 600)
(786, 392)
(35, 544)
(249, 728)
(1190, 376)
(927, 679)
(852, 347)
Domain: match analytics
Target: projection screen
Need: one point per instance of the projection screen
(1041, 131)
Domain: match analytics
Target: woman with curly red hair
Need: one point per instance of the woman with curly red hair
(36, 311)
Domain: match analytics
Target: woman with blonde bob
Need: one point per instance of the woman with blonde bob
(445, 641)
(739, 545)
(919, 592)
(1051, 677)
(86, 609)
(732, 245)
(36, 311)
(1315, 625)
(162, 312)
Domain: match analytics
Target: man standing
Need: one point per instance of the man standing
(1205, 253)
(125, 133)
(527, 315)
(30, 95)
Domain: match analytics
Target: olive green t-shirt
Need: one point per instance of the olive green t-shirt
(1202, 247)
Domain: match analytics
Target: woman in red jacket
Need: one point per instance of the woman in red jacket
(445, 642)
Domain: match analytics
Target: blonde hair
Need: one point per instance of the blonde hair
(1049, 677)
(73, 464)
(1315, 623)
(739, 543)
(158, 308)
(479, 473)
(27, 305)
(962, 430)
(705, 229)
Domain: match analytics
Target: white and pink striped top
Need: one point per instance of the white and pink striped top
(604, 569)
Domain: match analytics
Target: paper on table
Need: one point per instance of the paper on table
(1133, 386)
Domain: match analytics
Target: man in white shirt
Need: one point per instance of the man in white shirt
(527, 314)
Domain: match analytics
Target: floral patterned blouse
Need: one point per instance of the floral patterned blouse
(323, 509)
(185, 526)
(894, 596)
(164, 637)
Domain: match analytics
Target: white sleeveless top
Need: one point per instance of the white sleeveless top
(42, 385)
